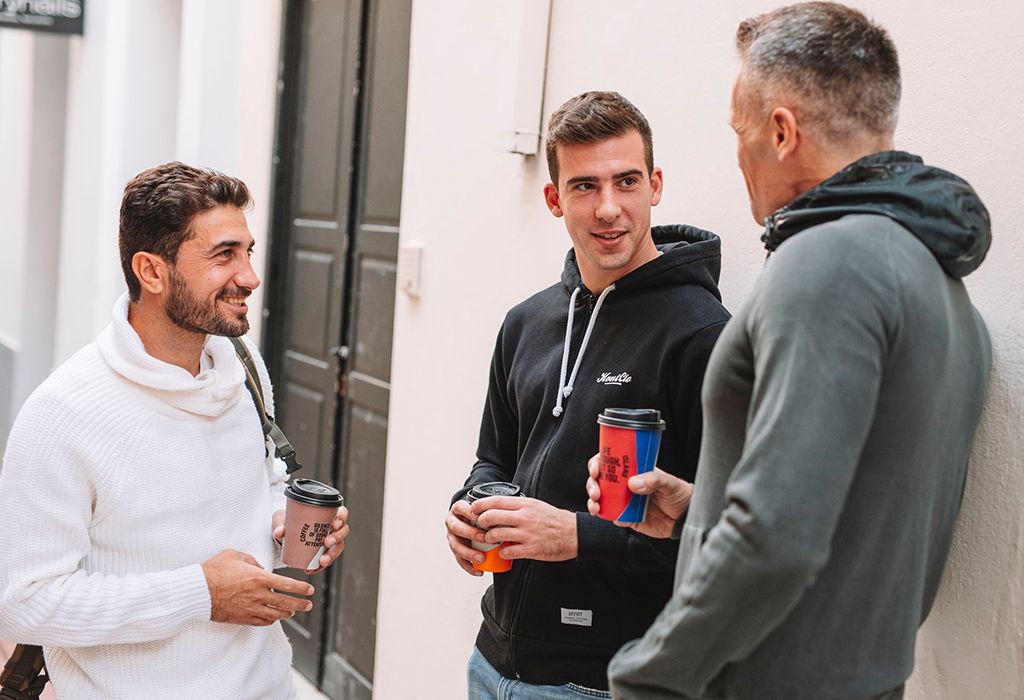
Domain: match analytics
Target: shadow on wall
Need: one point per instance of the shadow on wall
(6, 380)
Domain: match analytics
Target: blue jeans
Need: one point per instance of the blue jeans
(487, 684)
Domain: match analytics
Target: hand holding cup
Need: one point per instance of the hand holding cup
(243, 593)
(314, 525)
(668, 498)
(334, 542)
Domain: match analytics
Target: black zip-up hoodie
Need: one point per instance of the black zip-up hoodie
(648, 348)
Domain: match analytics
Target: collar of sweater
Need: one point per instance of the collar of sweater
(174, 389)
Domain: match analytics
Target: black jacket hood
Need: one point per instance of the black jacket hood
(689, 256)
(941, 209)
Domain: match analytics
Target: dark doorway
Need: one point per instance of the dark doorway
(330, 308)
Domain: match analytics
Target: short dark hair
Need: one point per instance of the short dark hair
(159, 205)
(842, 67)
(591, 117)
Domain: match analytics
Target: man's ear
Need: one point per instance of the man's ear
(552, 200)
(657, 185)
(785, 133)
(151, 271)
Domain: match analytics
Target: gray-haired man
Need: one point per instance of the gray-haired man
(840, 403)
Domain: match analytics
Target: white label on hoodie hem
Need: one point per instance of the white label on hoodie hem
(582, 618)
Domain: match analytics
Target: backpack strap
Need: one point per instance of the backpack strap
(282, 447)
(22, 677)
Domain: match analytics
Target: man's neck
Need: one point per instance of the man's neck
(828, 161)
(597, 280)
(164, 340)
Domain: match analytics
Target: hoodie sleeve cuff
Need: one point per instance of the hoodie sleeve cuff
(677, 529)
(600, 539)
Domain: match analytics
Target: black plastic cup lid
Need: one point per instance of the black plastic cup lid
(314, 493)
(633, 418)
(493, 488)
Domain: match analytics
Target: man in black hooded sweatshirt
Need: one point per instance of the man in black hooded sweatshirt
(631, 325)
(841, 401)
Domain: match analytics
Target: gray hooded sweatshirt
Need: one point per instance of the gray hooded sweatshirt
(840, 404)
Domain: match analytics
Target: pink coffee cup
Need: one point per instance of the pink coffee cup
(308, 519)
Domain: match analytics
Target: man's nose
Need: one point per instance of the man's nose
(608, 208)
(246, 276)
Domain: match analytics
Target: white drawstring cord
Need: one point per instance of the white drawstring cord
(565, 390)
(565, 352)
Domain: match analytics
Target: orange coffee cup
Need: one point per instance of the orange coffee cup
(492, 559)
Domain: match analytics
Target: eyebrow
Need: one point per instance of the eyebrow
(594, 178)
(230, 244)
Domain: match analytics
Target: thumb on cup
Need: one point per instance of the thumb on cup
(639, 483)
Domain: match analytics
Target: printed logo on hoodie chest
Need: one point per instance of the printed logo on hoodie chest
(609, 379)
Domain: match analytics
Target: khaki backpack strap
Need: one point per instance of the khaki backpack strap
(282, 447)
(23, 677)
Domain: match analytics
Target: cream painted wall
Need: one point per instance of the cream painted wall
(480, 213)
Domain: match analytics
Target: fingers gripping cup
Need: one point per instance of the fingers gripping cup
(492, 560)
(308, 517)
(630, 438)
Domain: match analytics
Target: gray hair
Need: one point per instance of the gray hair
(841, 67)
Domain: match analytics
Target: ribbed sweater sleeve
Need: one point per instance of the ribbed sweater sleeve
(48, 497)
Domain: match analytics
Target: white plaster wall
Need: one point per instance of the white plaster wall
(122, 109)
(16, 58)
(227, 97)
(480, 212)
(253, 129)
(154, 81)
(41, 253)
(32, 91)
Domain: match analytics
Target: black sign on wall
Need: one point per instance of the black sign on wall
(58, 16)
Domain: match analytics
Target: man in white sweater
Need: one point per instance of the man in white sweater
(144, 510)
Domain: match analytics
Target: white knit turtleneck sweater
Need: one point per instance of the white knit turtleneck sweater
(122, 475)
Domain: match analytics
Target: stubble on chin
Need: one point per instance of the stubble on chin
(192, 315)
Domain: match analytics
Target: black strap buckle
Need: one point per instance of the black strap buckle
(23, 676)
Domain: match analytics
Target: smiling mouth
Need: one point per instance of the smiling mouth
(234, 301)
(609, 235)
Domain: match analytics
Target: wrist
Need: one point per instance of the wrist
(573, 543)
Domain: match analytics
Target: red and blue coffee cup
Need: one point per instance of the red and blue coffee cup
(629, 443)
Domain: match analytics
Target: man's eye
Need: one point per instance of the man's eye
(584, 186)
(629, 181)
(225, 253)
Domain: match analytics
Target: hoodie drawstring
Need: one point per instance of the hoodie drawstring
(565, 389)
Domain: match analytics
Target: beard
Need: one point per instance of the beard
(197, 316)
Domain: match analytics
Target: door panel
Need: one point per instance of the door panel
(313, 274)
(378, 278)
(328, 71)
(335, 283)
(313, 280)
(348, 668)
